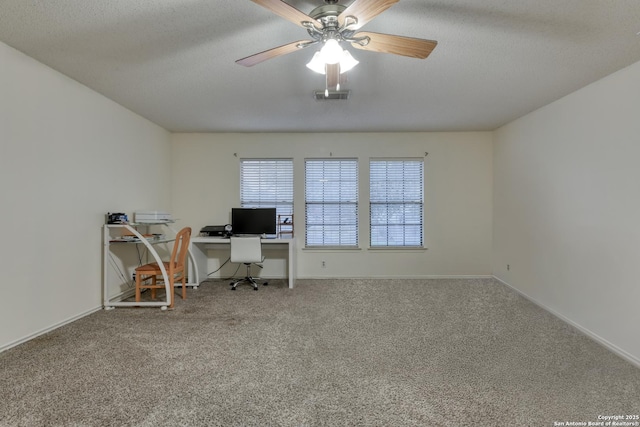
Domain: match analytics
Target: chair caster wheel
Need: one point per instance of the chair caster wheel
(265, 284)
(233, 289)
(255, 289)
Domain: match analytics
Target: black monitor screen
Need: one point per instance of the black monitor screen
(253, 220)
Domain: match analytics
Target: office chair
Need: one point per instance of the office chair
(246, 250)
(175, 268)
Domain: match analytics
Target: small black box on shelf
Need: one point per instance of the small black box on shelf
(213, 231)
(117, 218)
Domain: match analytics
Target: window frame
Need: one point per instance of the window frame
(351, 205)
(283, 205)
(401, 202)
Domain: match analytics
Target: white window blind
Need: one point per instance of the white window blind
(331, 202)
(396, 203)
(267, 183)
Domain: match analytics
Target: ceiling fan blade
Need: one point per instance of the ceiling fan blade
(286, 11)
(252, 60)
(364, 11)
(398, 45)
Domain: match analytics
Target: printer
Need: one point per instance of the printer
(151, 216)
(216, 230)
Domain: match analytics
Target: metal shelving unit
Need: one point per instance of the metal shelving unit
(285, 226)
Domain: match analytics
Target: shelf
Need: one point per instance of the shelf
(285, 225)
(142, 224)
(150, 240)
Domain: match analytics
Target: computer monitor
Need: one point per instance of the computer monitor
(253, 220)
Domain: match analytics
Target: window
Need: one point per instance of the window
(396, 203)
(331, 202)
(267, 183)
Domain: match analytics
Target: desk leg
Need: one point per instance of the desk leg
(197, 264)
(192, 270)
(291, 266)
(105, 265)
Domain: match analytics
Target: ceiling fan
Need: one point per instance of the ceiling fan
(332, 24)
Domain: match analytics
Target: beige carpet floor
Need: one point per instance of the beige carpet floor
(326, 353)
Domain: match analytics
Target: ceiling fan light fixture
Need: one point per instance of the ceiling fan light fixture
(347, 62)
(317, 64)
(331, 52)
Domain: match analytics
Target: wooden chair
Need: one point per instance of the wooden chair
(147, 275)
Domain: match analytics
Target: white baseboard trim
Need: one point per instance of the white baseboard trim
(603, 342)
(49, 329)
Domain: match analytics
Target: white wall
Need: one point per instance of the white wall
(567, 208)
(458, 194)
(68, 155)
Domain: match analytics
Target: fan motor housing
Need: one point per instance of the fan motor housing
(326, 11)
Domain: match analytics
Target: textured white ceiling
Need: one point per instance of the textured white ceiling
(172, 61)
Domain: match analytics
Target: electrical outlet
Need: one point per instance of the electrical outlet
(324, 264)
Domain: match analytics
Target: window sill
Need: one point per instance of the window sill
(331, 248)
(398, 249)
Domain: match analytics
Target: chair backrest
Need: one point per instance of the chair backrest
(180, 248)
(246, 249)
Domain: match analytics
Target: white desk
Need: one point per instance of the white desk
(131, 228)
(199, 252)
